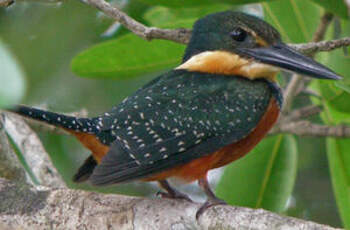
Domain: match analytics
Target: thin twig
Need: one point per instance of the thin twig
(304, 112)
(183, 35)
(297, 84)
(321, 30)
(147, 33)
(6, 3)
(324, 46)
(306, 128)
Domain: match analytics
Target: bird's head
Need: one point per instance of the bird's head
(236, 43)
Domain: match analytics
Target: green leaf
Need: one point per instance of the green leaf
(335, 100)
(196, 3)
(126, 57)
(337, 7)
(161, 16)
(264, 178)
(335, 93)
(296, 20)
(343, 86)
(12, 85)
(339, 163)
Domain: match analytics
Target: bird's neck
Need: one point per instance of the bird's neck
(226, 63)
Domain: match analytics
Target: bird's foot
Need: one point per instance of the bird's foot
(209, 203)
(175, 195)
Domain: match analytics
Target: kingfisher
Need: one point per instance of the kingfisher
(207, 112)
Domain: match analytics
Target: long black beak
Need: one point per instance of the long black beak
(280, 55)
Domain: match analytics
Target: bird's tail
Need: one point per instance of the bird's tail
(86, 125)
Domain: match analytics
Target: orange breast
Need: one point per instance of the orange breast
(198, 168)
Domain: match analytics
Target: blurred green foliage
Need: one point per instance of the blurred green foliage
(263, 179)
(48, 39)
(12, 75)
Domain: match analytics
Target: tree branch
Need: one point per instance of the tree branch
(324, 46)
(183, 35)
(6, 3)
(147, 33)
(33, 152)
(306, 128)
(10, 167)
(297, 83)
(28, 207)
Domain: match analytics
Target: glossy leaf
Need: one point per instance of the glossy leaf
(196, 3)
(296, 20)
(126, 57)
(12, 85)
(335, 100)
(337, 7)
(161, 16)
(335, 93)
(343, 86)
(339, 163)
(264, 178)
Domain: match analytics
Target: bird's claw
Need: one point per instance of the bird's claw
(177, 195)
(209, 203)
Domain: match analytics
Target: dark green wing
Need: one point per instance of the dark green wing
(182, 116)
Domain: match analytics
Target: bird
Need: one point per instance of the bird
(209, 111)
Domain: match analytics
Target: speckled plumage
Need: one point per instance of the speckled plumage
(181, 116)
(211, 110)
(178, 117)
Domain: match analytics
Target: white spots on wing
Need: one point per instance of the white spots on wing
(142, 116)
(180, 143)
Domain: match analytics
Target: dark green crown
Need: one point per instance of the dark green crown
(213, 32)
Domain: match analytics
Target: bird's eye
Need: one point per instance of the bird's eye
(238, 34)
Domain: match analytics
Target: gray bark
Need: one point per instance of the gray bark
(28, 207)
(25, 205)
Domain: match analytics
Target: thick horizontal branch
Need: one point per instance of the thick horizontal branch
(306, 128)
(28, 207)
